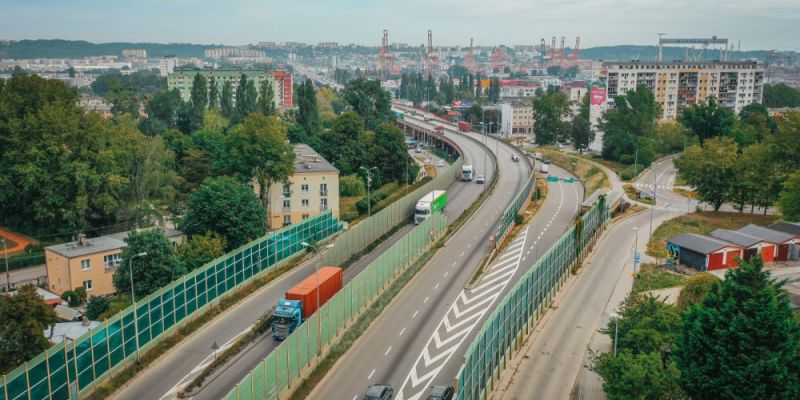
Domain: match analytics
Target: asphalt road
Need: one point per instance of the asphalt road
(420, 338)
(177, 368)
(552, 363)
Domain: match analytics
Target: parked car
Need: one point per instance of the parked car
(480, 179)
(441, 393)
(417, 150)
(546, 161)
(379, 392)
(514, 158)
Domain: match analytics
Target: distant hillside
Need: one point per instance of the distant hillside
(79, 48)
(649, 53)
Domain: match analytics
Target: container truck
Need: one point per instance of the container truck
(464, 126)
(300, 302)
(432, 202)
(467, 173)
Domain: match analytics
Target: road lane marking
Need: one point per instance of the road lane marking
(387, 351)
(415, 314)
(426, 299)
(370, 374)
(436, 287)
(462, 254)
(445, 274)
(402, 332)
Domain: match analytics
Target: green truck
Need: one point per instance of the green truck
(430, 203)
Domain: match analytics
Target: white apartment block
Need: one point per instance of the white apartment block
(167, 65)
(681, 84)
(516, 116)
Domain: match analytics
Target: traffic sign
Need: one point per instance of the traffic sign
(569, 180)
(552, 179)
(637, 258)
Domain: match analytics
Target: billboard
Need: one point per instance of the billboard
(598, 96)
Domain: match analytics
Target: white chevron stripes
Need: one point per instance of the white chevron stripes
(460, 319)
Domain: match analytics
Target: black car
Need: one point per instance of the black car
(379, 392)
(441, 393)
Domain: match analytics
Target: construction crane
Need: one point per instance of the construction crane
(561, 51)
(542, 49)
(575, 54)
(705, 42)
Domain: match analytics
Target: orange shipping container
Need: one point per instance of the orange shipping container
(330, 282)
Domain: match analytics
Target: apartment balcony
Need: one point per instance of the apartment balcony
(323, 207)
(323, 192)
(287, 194)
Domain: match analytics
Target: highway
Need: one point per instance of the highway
(419, 339)
(175, 369)
(551, 364)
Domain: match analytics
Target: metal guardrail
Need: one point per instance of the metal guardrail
(81, 364)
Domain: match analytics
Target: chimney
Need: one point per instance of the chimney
(81, 239)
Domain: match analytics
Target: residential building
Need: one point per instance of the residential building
(311, 190)
(681, 84)
(225, 52)
(328, 45)
(167, 65)
(137, 53)
(516, 116)
(90, 263)
(182, 78)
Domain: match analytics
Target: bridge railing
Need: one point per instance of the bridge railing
(79, 365)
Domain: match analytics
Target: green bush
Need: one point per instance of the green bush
(351, 185)
(519, 219)
(626, 159)
(71, 297)
(96, 306)
(361, 205)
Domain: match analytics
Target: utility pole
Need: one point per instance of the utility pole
(369, 189)
(8, 276)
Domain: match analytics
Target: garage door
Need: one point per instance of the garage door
(768, 253)
(748, 253)
(783, 252)
(715, 261)
(730, 259)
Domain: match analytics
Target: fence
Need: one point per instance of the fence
(367, 231)
(513, 209)
(517, 313)
(282, 368)
(77, 366)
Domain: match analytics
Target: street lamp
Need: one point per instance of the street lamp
(369, 189)
(8, 276)
(133, 299)
(317, 251)
(635, 250)
(615, 317)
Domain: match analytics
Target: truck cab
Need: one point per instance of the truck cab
(288, 315)
(467, 173)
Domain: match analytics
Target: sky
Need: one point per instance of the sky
(756, 24)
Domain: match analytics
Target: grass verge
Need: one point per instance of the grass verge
(592, 176)
(108, 388)
(650, 277)
(702, 223)
(685, 192)
(633, 193)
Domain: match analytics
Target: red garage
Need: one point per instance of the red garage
(782, 240)
(792, 228)
(703, 252)
(752, 245)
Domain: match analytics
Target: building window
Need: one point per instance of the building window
(304, 188)
(87, 285)
(323, 189)
(287, 190)
(112, 260)
(305, 216)
(287, 220)
(304, 202)
(86, 264)
(323, 204)
(287, 205)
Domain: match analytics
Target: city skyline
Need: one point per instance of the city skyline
(770, 24)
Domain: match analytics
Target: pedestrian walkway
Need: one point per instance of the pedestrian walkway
(19, 240)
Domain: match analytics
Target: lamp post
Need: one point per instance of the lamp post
(317, 251)
(635, 252)
(615, 317)
(133, 299)
(8, 276)
(369, 189)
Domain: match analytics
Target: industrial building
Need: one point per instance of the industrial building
(681, 84)
(311, 190)
(182, 78)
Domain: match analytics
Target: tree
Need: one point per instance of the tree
(71, 298)
(199, 102)
(259, 151)
(711, 169)
(246, 99)
(226, 100)
(695, 289)
(162, 111)
(96, 306)
(266, 99)
(307, 109)
(548, 113)
(201, 249)
(581, 128)
(759, 174)
(672, 137)
(390, 155)
(213, 94)
(159, 267)
(708, 120)
(25, 317)
(633, 118)
(370, 101)
(124, 101)
(785, 143)
(781, 95)
(742, 341)
(789, 200)
(223, 207)
(351, 185)
(213, 121)
(346, 143)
